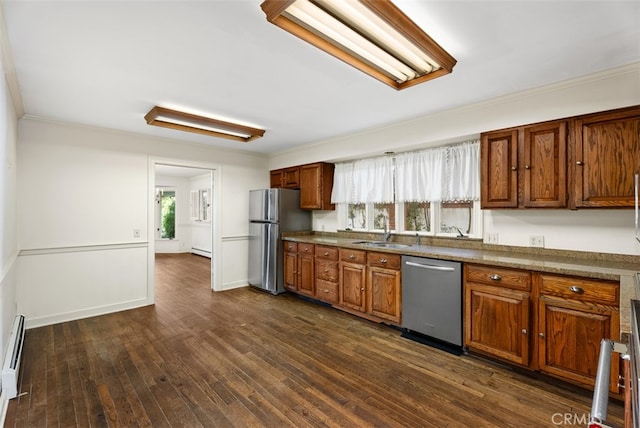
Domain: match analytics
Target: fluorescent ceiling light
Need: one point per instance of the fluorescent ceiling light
(174, 119)
(372, 35)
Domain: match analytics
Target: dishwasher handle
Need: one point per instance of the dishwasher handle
(430, 267)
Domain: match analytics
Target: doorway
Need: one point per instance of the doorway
(182, 218)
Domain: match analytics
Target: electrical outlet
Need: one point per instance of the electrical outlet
(136, 233)
(491, 238)
(536, 241)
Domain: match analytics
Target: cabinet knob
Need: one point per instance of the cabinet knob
(291, 247)
(579, 163)
(527, 167)
(514, 168)
(541, 335)
(326, 270)
(362, 289)
(495, 277)
(306, 250)
(383, 260)
(351, 256)
(326, 253)
(576, 289)
(326, 291)
(524, 331)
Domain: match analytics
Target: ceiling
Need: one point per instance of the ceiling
(107, 63)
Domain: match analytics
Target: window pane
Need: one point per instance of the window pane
(357, 217)
(456, 215)
(417, 216)
(168, 215)
(383, 215)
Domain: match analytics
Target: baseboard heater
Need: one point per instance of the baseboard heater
(201, 252)
(11, 366)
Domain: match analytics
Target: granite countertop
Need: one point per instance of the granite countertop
(615, 267)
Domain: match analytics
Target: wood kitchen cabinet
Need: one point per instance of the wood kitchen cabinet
(605, 158)
(299, 268)
(525, 167)
(497, 309)
(574, 315)
(327, 276)
(384, 292)
(288, 178)
(316, 183)
(352, 279)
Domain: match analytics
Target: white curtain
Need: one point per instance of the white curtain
(367, 180)
(463, 172)
(419, 176)
(450, 173)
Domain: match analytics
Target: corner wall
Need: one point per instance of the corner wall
(81, 193)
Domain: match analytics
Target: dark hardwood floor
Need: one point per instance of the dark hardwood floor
(245, 358)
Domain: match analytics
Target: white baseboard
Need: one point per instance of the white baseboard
(235, 284)
(85, 313)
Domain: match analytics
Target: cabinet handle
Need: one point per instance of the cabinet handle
(306, 250)
(579, 163)
(383, 260)
(495, 277)
(362, 289)
(291, 247)
(527, 167)
(326, 291)
(326, 270)
(326, 253)
(351, 256)
(576, 289)
(524, 331)
(541, 335)
(514, 168)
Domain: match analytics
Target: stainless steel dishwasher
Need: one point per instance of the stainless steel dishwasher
(432, 300)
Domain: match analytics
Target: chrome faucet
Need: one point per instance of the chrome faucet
(387, 232)
(417, 238)
(460, 234)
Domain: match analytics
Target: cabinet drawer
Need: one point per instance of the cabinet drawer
(501, 277)
(327, 291)
(384, 260)
(353, 256)
(580, 289)
(327, 253)
(291, 247)
(304, 248)
(327, 270)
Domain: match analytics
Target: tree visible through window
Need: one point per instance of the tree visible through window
(167, 201)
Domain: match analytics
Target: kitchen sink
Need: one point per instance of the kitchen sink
(382, 244)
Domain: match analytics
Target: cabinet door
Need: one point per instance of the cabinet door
(544, 165)
(290, 271)
(497, 322)
(570, 333)
(291, 178)
(499, 169)
(384, 293)
(316, 182)
(276, 178)
(306, 277)
(352, 286)
(607, 155)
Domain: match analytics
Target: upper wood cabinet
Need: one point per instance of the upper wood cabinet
(499, 169)
(316, 183)
(288, 178)
(314, 180)
(580, 162)
(606, 157)
(525, 167)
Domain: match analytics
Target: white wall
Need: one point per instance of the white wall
(201, 230)
(8, 215)
(608, 231)
(81, 193)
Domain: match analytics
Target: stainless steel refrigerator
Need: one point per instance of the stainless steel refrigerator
(272, 212)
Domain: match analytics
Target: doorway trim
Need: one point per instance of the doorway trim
(216, 275)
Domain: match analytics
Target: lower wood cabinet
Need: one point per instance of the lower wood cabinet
(299, 268)
(353, 279)
(384, 293)
(550, 323)
(326, 287)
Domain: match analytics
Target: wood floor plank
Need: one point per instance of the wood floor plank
(244, 358)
